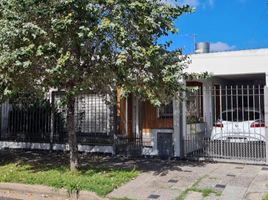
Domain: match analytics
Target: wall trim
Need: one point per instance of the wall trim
(57, 147)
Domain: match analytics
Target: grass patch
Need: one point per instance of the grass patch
(205, 191)
(96, 179)
(266, 195)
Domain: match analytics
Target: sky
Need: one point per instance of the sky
(226, 24)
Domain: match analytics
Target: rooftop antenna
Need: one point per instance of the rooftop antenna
(194, 40)
(193, 36)
(266, 5)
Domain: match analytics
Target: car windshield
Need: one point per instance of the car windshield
(239, 115)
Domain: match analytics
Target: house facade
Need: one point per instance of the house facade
(237, 84)
(232, 103)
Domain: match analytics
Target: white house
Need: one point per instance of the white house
(238, 83)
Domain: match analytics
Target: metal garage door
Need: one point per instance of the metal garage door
(231, 126)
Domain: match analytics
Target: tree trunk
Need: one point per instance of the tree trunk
(72, 135)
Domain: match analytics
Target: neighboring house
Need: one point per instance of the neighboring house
(229, 105)
(237, 85)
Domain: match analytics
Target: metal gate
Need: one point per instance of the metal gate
(225, 122)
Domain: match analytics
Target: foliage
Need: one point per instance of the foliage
(194, 120)
(99, 180)
(92, 46)
(265, 197)
(205, 192)
(194, 188)
(89, 45)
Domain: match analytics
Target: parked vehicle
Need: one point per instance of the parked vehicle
(239, 125)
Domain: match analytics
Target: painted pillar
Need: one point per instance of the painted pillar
(207, 106)
(176, 128)
(179, 124)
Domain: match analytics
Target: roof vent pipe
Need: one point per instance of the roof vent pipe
(202, 47)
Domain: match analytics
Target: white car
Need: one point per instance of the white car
(239, 125)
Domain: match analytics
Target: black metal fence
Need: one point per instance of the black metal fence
(45, 121)
(129, 146)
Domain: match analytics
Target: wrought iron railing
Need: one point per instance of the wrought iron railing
(45, 121)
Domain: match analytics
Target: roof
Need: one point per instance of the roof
(230, 62)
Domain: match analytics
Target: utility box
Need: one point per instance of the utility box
(165, 144)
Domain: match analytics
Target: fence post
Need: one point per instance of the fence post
(5, 108)
(51, 99)
(266, 120)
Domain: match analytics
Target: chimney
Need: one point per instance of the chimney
(202, 47)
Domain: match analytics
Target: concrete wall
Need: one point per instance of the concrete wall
(57, 147)
(233, 62)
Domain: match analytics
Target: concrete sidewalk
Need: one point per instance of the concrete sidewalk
(14, 191)
(163, 180)
(218, 180)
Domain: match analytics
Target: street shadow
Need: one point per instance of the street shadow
(45, 160)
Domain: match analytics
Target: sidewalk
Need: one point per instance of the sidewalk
(167, 181)
(14, 191)
(194, 182)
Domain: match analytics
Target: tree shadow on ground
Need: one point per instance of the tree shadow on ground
(45, 160)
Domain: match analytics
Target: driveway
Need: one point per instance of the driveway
(196, 181)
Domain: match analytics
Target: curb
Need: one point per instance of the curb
(47, 192)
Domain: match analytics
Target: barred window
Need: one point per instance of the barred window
(194, 102)
(166, 111)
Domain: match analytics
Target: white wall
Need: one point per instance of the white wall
(154, 150)
(232, 62)
(59, 147)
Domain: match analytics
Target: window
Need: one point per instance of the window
(194, 102)
(240, 116)
(166, 111)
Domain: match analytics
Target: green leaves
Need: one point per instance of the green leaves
(89, 45)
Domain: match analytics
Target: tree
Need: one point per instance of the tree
(90, 46)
